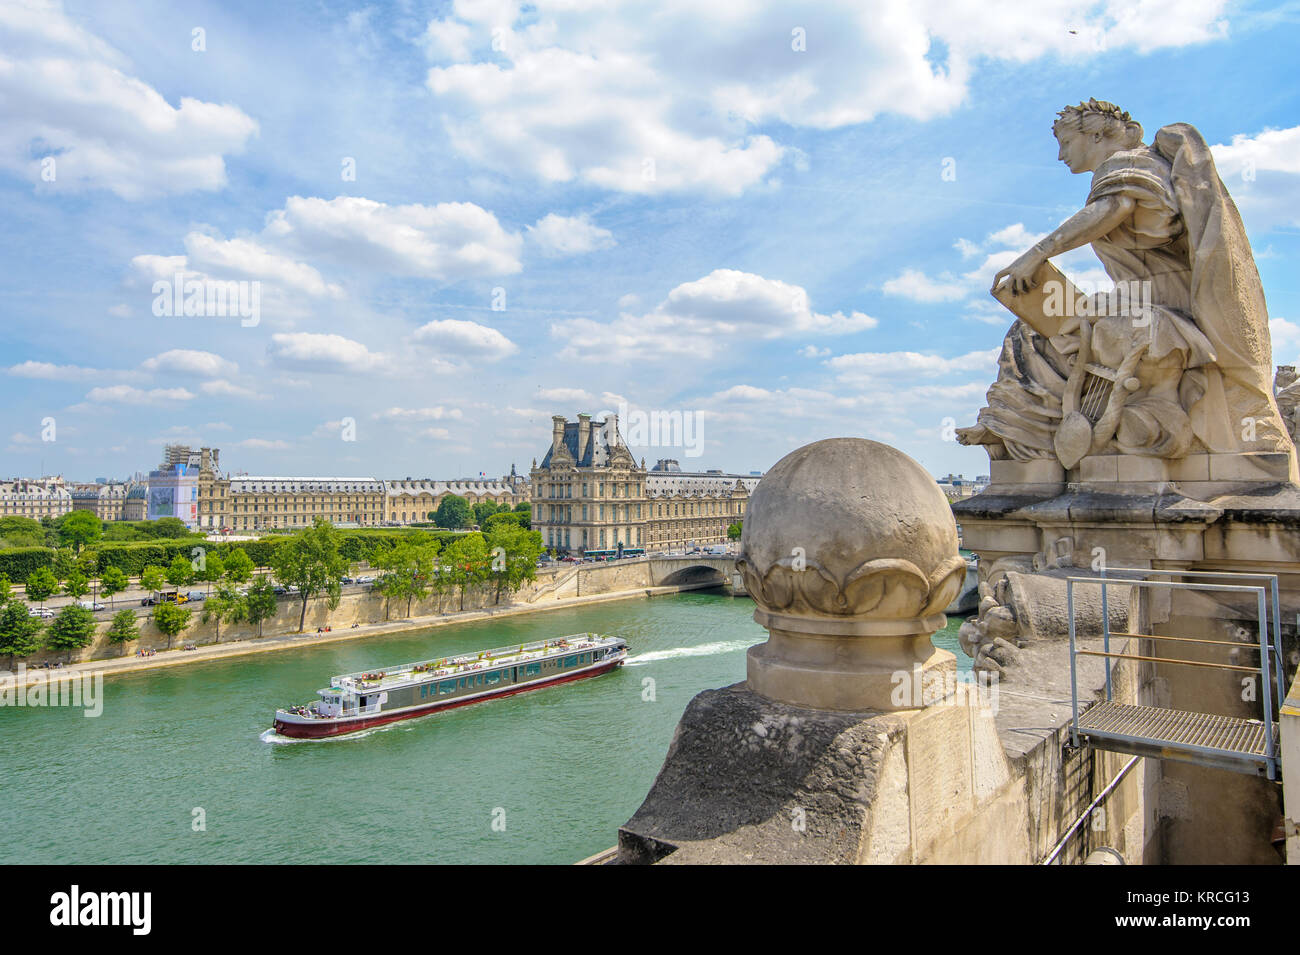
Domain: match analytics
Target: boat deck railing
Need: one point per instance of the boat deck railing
(456, 664)
(1225, 742)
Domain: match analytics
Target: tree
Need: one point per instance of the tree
(514, 552)
(453, 513)
(6, 590)
(734, 531)
(41, 585)
(180, 571)
(211, 570)
(20, 632)
(466, 563)
(260, 602)
(239, 566)
(171, 619)
(171, 527)
(153, 578)
(65, 562)
(113, 581)
(483, 510)
(123, 629)
(389, 584)
(79, 529)
(310, 561)
(22, 531)
(72, 629)
(227, 605)
(76, 586)
(499, 518)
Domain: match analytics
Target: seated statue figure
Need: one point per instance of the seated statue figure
(1180, 364)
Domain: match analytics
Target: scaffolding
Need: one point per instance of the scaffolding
(1208, 739)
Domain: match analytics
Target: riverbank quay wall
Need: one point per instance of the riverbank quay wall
(367, 608)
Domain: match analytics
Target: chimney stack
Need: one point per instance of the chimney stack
(584, 435)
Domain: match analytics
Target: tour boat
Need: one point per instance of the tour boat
(357, 701)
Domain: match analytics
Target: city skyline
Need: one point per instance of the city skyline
(782, 222)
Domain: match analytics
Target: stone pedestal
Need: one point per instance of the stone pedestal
(849, 671)
(747, 780)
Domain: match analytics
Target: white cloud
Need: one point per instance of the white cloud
(332, 353)
(436, 413)
(698, 317)
(447, 242)
(871, 366)
(464, 339)
(128, 395)
(1262, 172)
(1285, 335)
(246, 258)
(221, 388)
(50, 372)
(185, 361)
(71, 97)
(556, 235)
(566, 394)
(919, 287)
(641, 97)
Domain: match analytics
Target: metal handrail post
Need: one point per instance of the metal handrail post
(1277, 643)
(1074, 681)
(1269, 750)
(1105, 633)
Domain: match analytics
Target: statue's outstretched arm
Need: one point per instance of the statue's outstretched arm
(1092, 222)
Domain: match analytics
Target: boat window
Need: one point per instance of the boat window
(532, 669)
(447, 686)
(570, 661)
(493, 677)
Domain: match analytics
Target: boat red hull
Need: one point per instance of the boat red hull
(325, 728)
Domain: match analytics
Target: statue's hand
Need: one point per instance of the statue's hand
(1020, 272)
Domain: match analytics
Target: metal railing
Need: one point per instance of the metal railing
(1217, 728)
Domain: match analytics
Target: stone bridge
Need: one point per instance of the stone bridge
(693, 572)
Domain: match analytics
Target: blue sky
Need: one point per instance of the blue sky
(673, 207)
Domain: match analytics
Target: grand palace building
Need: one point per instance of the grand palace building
(591, 497)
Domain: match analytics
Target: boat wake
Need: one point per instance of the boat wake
(700, 650)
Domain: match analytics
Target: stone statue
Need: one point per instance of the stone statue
(1175, 359)
(1286, 390)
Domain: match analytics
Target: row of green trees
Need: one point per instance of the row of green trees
(22, 634)
(311, 562)
(455, 512)
(504, 557)
(19, 563)
(78, 529)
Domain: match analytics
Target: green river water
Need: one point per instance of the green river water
(557, 770)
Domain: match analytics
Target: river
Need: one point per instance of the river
(181, 767)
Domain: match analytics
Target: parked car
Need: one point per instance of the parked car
(89, 605)
(346, 580)
(195, 595)
(166, 596)
(45, 613)
(365, 580)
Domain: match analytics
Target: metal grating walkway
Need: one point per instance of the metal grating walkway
(1226, 741)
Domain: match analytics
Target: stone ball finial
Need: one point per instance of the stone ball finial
(849, 549)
